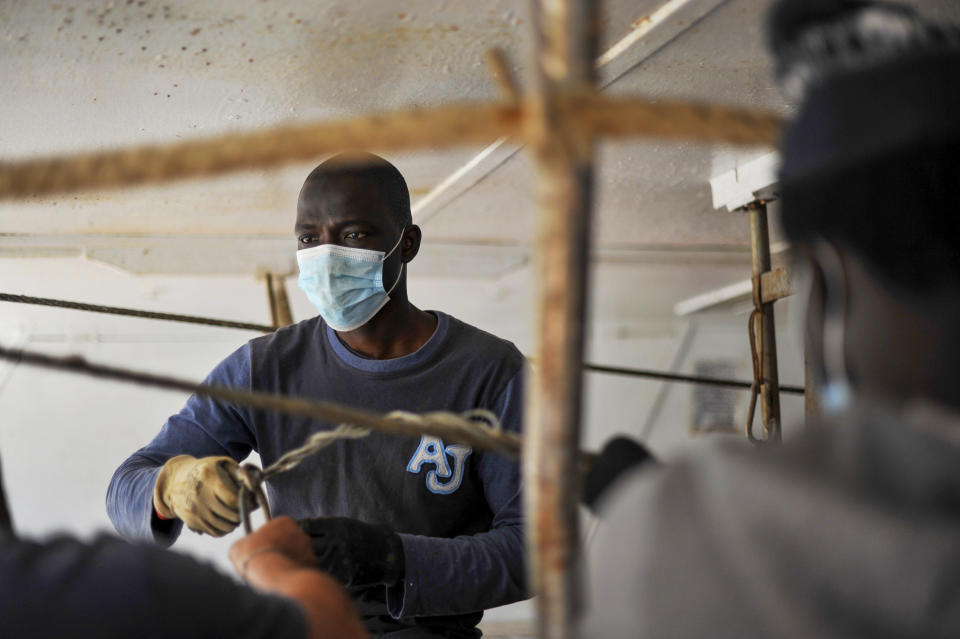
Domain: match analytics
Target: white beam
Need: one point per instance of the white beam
(739, 186)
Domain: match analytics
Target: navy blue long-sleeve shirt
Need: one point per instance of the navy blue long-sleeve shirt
(458, 511)
(109, 588)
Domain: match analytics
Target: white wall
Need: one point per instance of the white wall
(62, 436)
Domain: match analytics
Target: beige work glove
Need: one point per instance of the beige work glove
(202, 492)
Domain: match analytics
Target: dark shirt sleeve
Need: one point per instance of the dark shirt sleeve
(110, 588)
(204, 427)
(472, 572)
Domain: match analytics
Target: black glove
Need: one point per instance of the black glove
(619, 455)
(354, 552)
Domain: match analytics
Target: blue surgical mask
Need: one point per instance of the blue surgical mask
(344, 283)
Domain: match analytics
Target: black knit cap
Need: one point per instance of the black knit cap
(873, 77)
(872, 158)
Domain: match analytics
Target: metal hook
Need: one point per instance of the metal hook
(251, 495)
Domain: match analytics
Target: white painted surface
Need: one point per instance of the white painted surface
(738, 186)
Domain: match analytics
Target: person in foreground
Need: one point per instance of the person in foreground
(278, 558)
(852, 528)
(425, 533)
(110, 588)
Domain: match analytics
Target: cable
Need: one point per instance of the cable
(677, 377)
(132, 312)
(263, 328)
(439, 424)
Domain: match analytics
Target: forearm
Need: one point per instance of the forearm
(203, 428)
(463, 574)
(329, 611)
(130, 503)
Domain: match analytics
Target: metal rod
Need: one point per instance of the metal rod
(280, 314)
(770, 387)
(563, 149)
(681, 378)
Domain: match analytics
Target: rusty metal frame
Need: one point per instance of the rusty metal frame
(768, 376)
(776, 284)
(563, 150)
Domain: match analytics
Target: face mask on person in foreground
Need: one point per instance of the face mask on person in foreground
(344, 283)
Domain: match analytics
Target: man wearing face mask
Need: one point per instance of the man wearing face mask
(851, 529)
(424, 533)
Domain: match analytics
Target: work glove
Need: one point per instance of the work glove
(354, 552)
(619, 455)
(201, 492)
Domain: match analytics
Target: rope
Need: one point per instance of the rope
(314, 444)
(251, 478)
(757, 362)
(467, 427)
(438, 127)
(445, 425)
(132, 312)
(263, 328)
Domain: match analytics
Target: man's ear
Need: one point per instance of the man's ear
(410, 245)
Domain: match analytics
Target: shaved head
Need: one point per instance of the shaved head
(351, 167)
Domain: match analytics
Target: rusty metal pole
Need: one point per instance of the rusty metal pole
(770, 388)
(280, 314)
(563, 148)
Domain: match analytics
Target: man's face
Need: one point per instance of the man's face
(349, 212)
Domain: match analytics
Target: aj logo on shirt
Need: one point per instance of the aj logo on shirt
(432, 451)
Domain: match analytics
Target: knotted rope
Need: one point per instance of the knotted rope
(251, 479)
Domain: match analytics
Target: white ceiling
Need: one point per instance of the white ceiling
(89, 75)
